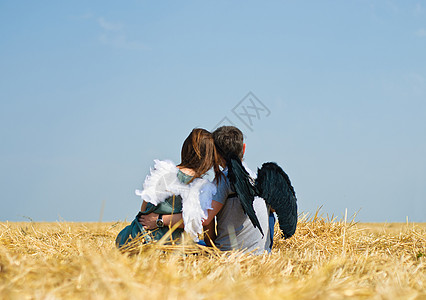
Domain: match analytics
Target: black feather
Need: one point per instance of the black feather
(241, 181)
(274, 185)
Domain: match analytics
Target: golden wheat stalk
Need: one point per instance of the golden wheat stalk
(325, 259)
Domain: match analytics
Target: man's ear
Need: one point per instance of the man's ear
(244, 148)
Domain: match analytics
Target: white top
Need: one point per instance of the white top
(234, 228)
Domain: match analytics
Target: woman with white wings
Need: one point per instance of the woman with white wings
(177, 192)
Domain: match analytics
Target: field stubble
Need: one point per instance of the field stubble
(325, 259)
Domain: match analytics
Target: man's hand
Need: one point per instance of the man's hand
(149, 221)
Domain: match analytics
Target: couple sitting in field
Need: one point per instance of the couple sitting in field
(227, 210)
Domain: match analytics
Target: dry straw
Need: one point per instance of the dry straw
(326, 259)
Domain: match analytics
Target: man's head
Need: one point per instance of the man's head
(229, 141)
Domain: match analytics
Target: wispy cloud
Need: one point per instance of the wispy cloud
(418, 10)
(421, 32)
(114, 35)
(109, 26)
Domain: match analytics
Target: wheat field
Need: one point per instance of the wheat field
(325, 259)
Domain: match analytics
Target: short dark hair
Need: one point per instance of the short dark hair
(229, 140)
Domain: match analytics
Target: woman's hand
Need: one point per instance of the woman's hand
(149, 221)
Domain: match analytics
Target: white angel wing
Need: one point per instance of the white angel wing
(159, 184)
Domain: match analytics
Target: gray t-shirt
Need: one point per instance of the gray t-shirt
(234, 228)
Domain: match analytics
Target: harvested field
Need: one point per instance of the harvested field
(326, 259)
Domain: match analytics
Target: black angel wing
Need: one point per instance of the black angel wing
(245, 190)
(274, 185)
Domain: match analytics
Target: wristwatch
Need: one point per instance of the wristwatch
(159, 221)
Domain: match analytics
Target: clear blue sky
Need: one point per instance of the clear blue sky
(92, 92)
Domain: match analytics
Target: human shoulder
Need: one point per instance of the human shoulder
(223, 188)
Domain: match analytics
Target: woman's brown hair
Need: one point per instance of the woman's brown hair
(199, 153)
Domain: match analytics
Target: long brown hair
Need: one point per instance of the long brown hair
(199, 153)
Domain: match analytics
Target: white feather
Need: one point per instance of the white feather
(196, 196)
(156, 187)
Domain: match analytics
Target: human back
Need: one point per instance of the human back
(234, 228)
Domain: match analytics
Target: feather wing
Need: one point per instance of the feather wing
(274, 185)
(241, 180)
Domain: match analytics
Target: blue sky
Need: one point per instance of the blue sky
(92, 92)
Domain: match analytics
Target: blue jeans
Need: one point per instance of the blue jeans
(271, 228)
(202, 243)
